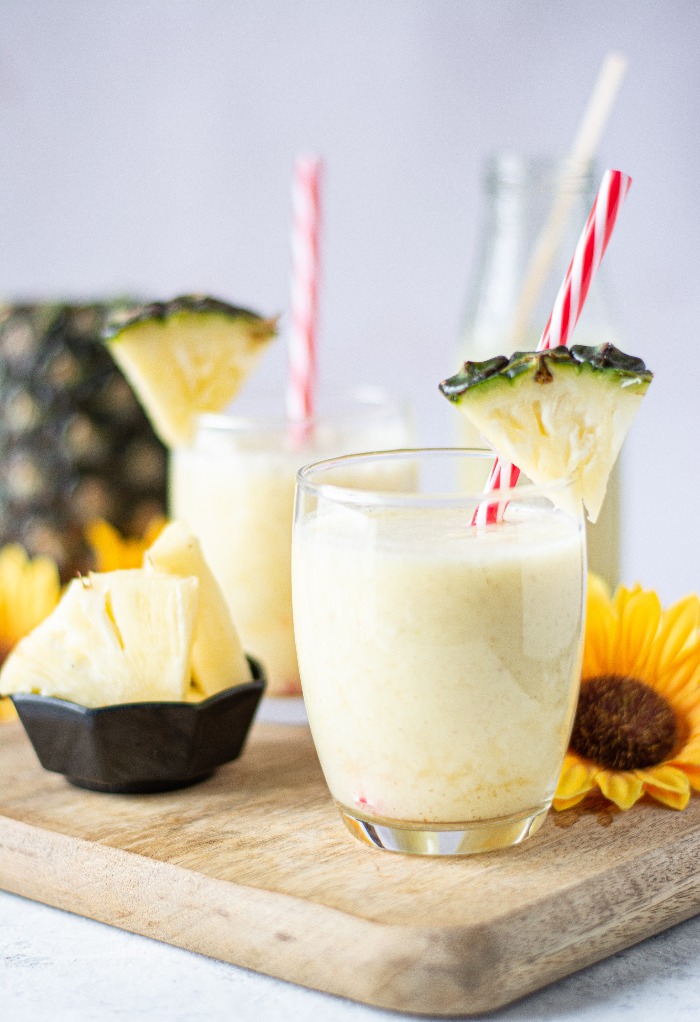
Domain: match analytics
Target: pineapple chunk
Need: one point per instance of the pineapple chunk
(116, 637)
(218, 660)
(185, 357)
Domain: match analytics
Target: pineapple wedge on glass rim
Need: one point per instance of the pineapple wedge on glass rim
(115, 637)
(556, 412)
(185, 357)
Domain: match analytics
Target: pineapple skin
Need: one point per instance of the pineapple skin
(616, 366)
(124, 316)
(75, 444)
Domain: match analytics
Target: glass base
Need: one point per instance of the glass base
(445, 839)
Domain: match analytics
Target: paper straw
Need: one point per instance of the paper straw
(583, 149)
(306, 218)
(567, 309)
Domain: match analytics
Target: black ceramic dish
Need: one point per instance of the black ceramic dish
(135, 748)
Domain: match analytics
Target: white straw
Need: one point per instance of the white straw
(583, 149)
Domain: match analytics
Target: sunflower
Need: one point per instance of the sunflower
(29, 591)
(637, 726)
(113, 551)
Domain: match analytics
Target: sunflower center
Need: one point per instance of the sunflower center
(622, 724)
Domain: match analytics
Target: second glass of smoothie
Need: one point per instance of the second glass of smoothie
(440, 660)
(235, 489)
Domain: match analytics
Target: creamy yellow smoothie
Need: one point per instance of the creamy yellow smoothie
(235, 489)
(440, 662)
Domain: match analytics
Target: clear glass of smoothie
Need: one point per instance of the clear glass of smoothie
(235, 489)
(440, 660)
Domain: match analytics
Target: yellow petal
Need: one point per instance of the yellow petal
(686, 704)
(153, 531)
(623, 787)
(7, 710)
(673, 799)
(681, 674)
(576, 779)
(692, 772)
(601, 629)
(12, 562)
(638, 626)
(598, 588)
(37, 594)
(567, 803)
(689, 756)
(676, 651)
(679, 629)
(29, 591)
(113, 551)
(667, 784)
(623, 595)
(664, 776)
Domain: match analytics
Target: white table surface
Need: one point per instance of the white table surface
(57, 967)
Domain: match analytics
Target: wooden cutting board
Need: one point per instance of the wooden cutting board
(254, 867)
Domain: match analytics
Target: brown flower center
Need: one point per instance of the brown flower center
(623, 724)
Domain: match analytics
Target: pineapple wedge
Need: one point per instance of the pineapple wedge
(218, 660)
(115, 637)
(185, 357)
(555, 413)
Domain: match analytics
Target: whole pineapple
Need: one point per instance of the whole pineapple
(75, 444)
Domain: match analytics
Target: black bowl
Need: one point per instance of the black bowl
(133, 748)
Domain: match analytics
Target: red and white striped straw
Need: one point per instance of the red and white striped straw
(567, 309)
(306, 222)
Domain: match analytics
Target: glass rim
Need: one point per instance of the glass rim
(388, 498)
(365, 400)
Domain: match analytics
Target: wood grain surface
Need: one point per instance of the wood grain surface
(254, 867)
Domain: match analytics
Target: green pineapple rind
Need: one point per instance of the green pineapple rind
(183, 307)
(615, 367)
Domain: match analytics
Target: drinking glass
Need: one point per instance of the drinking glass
(440, 660)
(235, 488)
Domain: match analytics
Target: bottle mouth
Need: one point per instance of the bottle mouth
(521, 170)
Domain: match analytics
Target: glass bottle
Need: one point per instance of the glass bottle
(521, 195)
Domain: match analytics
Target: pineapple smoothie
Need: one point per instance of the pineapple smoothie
(234, 486)
(440, 662)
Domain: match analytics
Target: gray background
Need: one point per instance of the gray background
(147, 146)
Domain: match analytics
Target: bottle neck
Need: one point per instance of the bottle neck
(524, 202)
